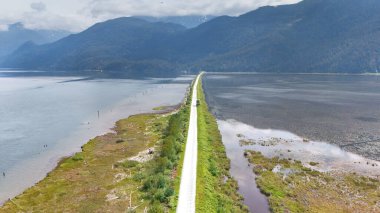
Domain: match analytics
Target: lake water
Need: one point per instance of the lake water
(62, 113)
(338, 116)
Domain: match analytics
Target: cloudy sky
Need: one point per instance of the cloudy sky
(76, 15)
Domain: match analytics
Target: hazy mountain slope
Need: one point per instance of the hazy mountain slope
(186, 21)
(119, 44)
(16, 35)
(311, 36)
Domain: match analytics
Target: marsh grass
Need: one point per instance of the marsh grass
(307, 190)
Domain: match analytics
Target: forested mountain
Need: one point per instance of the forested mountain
(128, 44)
(311, 36)
(17, 34)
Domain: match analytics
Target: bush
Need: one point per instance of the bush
(120, 141)
(156, 208)
(78, 156)
(129, 164)
(213, 168)
(157, 184)
(138, 177)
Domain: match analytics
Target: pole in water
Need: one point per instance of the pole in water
(98, 114)
(4, 174)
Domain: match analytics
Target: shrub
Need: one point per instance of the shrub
(129, 164)
(78, 156)
(157, 182)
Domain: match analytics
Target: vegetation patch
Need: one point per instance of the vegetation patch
(291, 187)
(246, 142)
(103, 178)
(216, 189)
(159, 177)
(160, 108)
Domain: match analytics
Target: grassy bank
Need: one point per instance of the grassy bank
(100, 178)
(291, 187)
(131, 170)
(216, 190)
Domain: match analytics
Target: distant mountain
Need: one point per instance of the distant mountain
(120, 44)
(187, 21)
(17, 34)
(311, 36)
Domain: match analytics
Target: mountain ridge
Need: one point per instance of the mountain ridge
(311, 36)
(16, 35)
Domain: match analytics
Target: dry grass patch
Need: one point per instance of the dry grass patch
(93, 180)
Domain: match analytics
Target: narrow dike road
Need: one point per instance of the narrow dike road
(187, 190)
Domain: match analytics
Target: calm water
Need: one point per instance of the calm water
(62, 113)
(338, 114)
(343, 110)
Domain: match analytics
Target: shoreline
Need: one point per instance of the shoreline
(68, 147)
(57, 163)
(167, 111)
(299, 73)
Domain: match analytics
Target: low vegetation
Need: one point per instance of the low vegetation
(100, 178)
(216, 189)
(292, 187)
(160, 175)
(131, 170)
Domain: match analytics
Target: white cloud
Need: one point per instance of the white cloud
(3, 27)
(38, 6)
(106, 8)
(76, 15)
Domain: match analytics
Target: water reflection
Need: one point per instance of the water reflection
(285, 144)
(339, 109)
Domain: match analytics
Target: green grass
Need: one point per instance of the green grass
(307, 190)
(81, 183)
(160, 108)
(216, 190)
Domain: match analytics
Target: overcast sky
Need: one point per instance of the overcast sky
(76, 15)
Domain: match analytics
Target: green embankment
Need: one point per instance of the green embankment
(295, 188)
(105, 176)
(216, 189)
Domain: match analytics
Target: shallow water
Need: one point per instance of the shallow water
(272, 143)
(62, 113)
(241, 171)
(338, 116)
(339, 109)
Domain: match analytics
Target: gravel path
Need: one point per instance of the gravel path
(186, 200)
